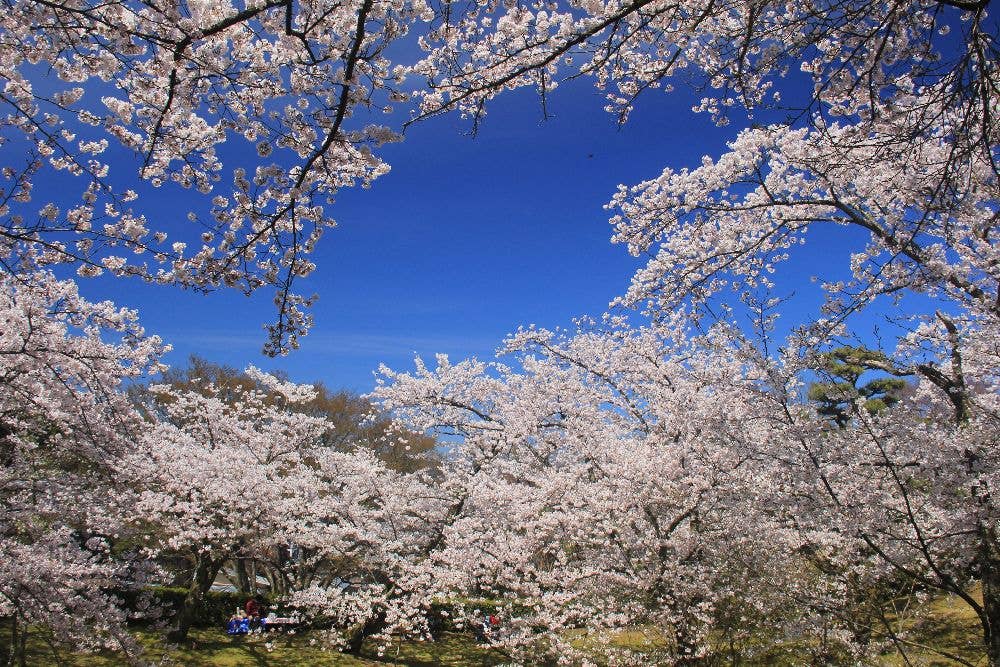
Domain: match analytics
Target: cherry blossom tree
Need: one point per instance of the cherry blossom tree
(905, 153)
(862, 58)
(349, 423)
(242, 471)
(613, 481)
(618, 478)
(922, 473)
(65, 429)
(160, 87)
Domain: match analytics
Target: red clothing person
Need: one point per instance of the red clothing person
(253, 609)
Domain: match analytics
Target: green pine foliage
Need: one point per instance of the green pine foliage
(844, 366)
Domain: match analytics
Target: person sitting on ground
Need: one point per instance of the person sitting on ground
(233, 626)
(486, 630)
(491, 627)
(244, 623)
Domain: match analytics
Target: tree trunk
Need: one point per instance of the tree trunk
(242, 578)
(18, 642)
(204, 574)
(688, 649)
(17, 655)
(275, 580)
(22, 648)
(989, 557)
(9, 653)
(363, 631)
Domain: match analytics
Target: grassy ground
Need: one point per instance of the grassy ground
(945, 629)
(942, 628)
(212, 647)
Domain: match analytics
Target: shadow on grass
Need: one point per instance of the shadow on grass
(450, 649)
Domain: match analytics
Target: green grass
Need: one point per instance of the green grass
(211, 647)
(946, 624)
(942, 627)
